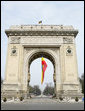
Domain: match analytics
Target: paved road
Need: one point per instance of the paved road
(41, 104)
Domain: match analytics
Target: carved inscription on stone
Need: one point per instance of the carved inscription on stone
(42, 41)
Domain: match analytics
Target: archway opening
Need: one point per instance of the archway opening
(35, 70)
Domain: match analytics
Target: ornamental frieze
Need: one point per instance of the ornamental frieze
(15, 40)
(67, 40)
(41, 40)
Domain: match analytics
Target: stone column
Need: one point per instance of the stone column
(58, 76)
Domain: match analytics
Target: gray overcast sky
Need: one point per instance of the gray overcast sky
(50, 12)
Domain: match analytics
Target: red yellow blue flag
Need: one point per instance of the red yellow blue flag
(44, 66)
(39, 22)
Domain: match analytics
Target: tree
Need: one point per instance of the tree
(49, 90)
(81, 79)
(35, 90)
(31, 90)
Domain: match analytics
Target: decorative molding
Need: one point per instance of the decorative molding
(69, 51)
(14, 51)
(40, 33)
(26, 50)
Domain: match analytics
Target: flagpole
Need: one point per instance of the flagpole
(41, 76)
(41, 80)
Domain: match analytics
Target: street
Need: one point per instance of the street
(43, 103)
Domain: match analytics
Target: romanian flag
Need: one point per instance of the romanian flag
(40, 22)
(44, 66)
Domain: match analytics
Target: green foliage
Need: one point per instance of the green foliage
(82, 82)
(76, 99)
(31, 89)
(4, 99)
(35, 90)
(49, 90)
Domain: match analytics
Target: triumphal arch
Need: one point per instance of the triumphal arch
(28, 42)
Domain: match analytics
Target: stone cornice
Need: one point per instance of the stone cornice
(21, 32)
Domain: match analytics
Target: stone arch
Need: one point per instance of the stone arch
(40, 54)
(34, 54)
